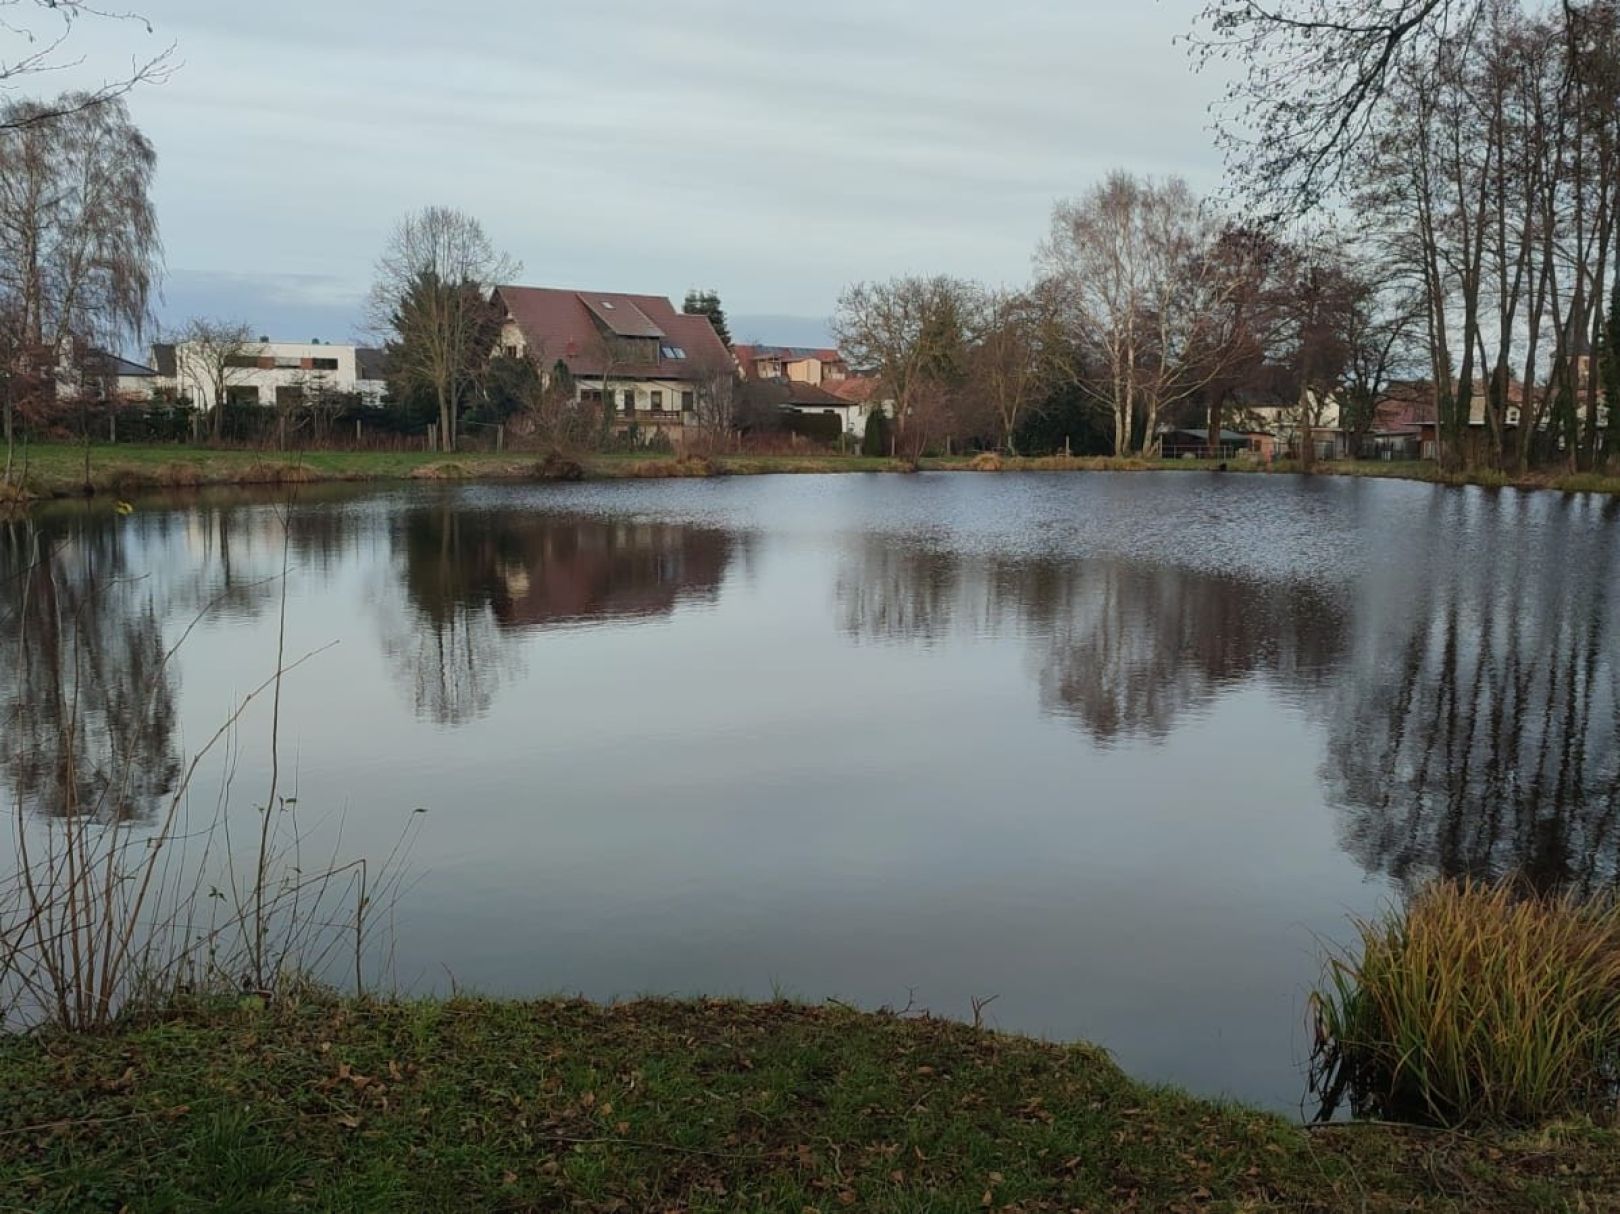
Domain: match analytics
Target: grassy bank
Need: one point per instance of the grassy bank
(700, 1106)
(1428, 473)
(58, 470)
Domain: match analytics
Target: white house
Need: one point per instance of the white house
(272, 372)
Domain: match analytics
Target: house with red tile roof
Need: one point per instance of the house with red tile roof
(637, 354)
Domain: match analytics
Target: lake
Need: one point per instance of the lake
(1121, 751)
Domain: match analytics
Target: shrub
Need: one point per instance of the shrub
(445, 470)
(825, 428)
(876, 439)
(685, 466)
(1474, 1004)
(558, 467)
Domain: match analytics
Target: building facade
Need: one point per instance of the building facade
(634, 354)
(270, 373)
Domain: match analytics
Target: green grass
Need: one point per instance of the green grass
(57, 469)
(1476, 1004)
(691, 1106)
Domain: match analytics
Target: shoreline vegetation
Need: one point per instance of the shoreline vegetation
(58, 470)
(695, 1105)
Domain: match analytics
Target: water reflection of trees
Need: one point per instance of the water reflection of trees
(476, 579)
(1469, 692)
(1129, 651)
(1122, 649)
(87, 702)
(90, 602)
(1478, 728)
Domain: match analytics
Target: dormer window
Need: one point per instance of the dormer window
(672, 352)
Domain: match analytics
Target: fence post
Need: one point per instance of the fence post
(357, 432)
(1065, 446)
(500, 438)
(112, 426)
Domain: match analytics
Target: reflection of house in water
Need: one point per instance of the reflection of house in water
(475, 579)
(572, 571)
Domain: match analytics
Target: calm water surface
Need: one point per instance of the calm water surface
(1119, 750)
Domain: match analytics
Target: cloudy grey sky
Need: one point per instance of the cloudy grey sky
(774, 150)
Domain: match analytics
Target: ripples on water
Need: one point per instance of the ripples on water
(1116, 748)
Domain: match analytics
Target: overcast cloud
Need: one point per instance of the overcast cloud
(774, 151)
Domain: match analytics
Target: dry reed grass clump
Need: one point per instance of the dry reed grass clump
(448, 470)
(986, 461)
(559, 467)
(1475, 1004)
(683, 466)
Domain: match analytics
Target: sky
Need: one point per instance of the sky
(775, 150)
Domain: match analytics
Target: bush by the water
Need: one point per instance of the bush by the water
(1475, 1004)
(876, 439)
(559, 467)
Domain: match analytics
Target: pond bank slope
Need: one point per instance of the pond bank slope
(58, 470)
(690, 1106)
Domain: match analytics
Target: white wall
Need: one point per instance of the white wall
(671, 388)
(193, 379)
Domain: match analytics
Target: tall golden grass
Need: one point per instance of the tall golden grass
(1474, 1004)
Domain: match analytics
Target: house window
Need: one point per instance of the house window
(688, 401)
(509, 351)
(241, 394)
(629, 399)
(657, 401)
(323, 364)
(590, 396)
(672, 352)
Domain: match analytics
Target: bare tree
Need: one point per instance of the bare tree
(717, 392)
(79, 247)
(1131, 262)
(34, 38)
(431, 295)
(1313, 82)
(1382, 324)
(1008, 365)
(211, 356)
(916, 332)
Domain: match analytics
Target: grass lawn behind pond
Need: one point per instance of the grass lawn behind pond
(58, 469)
(690, 1106)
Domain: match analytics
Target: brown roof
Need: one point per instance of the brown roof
(800, 393)
(620, 316)
(793, 393)
(567, 326)
(856, 388)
